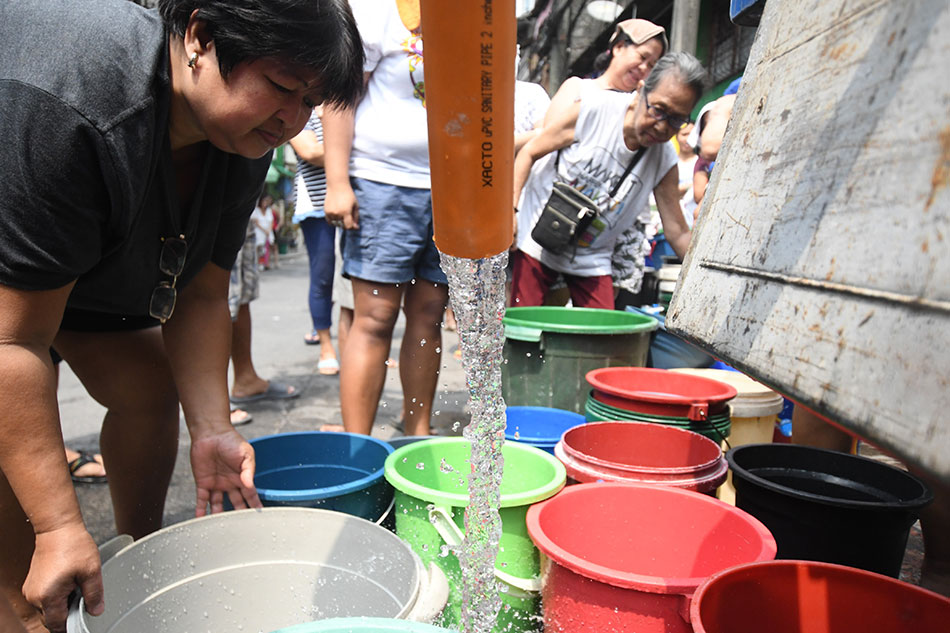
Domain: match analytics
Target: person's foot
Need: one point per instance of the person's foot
(273, 390)
(328, 366)
(333, 428)
(240, 416)
(311, 338)
(85, 467)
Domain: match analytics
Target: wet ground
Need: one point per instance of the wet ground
(280, 319)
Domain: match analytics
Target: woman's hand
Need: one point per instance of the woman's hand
(64, 558)
(341, 207)
(223, 463)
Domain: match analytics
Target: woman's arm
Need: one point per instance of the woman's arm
(308, 147)
(340, 204)
(198, 343)
(567, 95)
(31, 455)
(667, 198)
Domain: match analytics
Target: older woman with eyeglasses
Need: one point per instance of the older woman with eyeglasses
(614, 149)
(135, 144)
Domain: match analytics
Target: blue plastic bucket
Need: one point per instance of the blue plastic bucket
(316, 469)
(363, 625)
(541, 427)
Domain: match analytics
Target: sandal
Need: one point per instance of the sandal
(240, 416)
(85, 459)
(312, 338)
(329, 367)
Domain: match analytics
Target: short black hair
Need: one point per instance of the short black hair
(317, 34)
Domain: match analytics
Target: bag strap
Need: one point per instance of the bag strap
(633, 163)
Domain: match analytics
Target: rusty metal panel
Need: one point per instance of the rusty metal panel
(821, 260)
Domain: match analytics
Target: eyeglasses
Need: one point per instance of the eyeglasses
(675, 121)
(171, 262)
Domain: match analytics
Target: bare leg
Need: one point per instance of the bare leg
(376, 307)
(128, 373)
(343, 328)
(421, 353)
(246, 380)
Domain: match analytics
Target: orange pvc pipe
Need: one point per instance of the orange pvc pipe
(469, 50)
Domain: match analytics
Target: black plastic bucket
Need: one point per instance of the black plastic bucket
(828, 506)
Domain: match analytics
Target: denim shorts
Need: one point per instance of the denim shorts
(394, 242)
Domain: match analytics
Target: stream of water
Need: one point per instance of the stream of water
(477, 293)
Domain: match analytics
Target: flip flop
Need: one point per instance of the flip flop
(311, 338)
(275, 391)
(329, 367)
(79, 462)
(243, 418)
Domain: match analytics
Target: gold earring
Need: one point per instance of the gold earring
(193, 60)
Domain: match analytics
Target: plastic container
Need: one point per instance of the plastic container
(753, 412)
(333, 471)
(261, 570)
(548, 350)
(829, 506)
(668, 350)
(625, 558)
(640, 452)
(541, 427)
(809, 597)
(363, 625)
(716, 428)
(660, 392)
(431, 482)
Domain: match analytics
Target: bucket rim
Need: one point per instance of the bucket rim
(326, 492)
(364, 625)
(740, 472)
(458, 500)
(714, 476)
(576, 419)
(637, 324)
(629, 580)
(718, 462)
(719, 392)
(895, 584)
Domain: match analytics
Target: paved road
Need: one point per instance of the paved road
(280, 318)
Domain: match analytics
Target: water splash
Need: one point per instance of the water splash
(477, 293)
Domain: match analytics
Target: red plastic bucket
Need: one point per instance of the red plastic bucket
(791, 596)
(660, 392)
(641, 452)
(626, 558)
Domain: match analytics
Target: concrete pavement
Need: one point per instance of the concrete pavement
(280, 318)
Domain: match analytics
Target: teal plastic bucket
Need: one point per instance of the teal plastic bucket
(431, 492)
(331, 471)
(717, 428)
(549, 350)
(363, 625)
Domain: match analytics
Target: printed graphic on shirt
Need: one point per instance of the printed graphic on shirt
(595, 175)
(411, 19)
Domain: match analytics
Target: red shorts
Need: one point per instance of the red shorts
(531, 280)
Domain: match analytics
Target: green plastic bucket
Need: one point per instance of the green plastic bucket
(549, 350)
(431, 492)
(717, 428)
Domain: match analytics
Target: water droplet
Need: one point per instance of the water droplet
(527, 354)
(438, 350)
(517, 435)
(422, 343)
(375, 291)
(421, 466)
(446, 467)
(413, 281)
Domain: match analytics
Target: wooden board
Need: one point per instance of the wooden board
(821, 261)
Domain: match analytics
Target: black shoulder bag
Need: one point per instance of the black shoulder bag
(568, 212)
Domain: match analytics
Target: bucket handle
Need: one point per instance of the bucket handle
(432, 598)
(523, 333)
(441, 519)
(386, 512)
